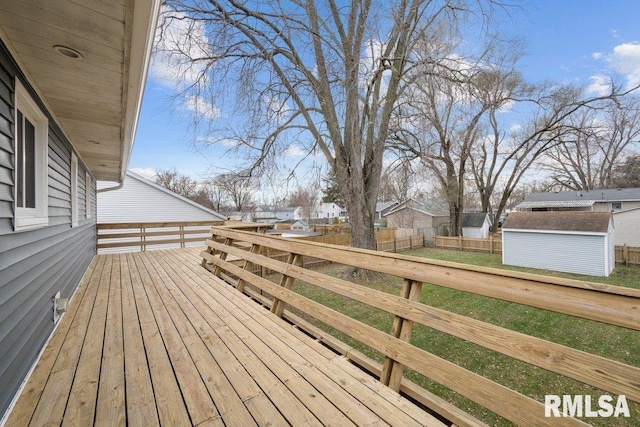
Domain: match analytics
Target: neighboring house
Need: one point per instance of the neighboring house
(71, 81)
(300, 225)
(323, 210)
(142, 200)
(592, 201)
(476, 224)
(271, 214)
(622, 202)
(421, 217)
(627, 223)
(573, 242)
(382, 208)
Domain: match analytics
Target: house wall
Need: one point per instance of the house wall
(409, 218)
(571, 253)
(627, 225)
(35, 264)
(607, 206)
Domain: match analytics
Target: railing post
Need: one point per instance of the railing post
(143, 239)
(393, 371)
(255, 249)
(223, 256)
(286, 282)
(181, 232)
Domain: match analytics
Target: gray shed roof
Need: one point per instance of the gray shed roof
(595, 222)
(473, 219)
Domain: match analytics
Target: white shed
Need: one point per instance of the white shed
(572, 242)
(476, 225)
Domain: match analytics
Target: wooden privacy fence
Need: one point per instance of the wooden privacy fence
(386, 241)
(140, 236)
(628, 255)
(490, 245)
(232, 254)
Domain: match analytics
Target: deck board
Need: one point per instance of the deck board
(152, 338)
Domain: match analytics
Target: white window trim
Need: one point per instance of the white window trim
(26, 218)
(74, 190)
(87, 195)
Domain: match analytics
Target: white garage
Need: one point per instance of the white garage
(572, 242)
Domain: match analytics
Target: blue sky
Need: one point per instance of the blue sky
(568, 41)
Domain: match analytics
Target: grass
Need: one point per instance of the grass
(609, 341)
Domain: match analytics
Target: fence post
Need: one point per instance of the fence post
(491, 244)
(460, 242)
(393, 371)
(625, 254)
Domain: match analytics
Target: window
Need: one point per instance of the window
(616, 206)
(87, 195)
(31, 133)
(74, 190)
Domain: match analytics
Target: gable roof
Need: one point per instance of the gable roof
(419, 206)
(595, 222)
(569, 199)
(474, 219)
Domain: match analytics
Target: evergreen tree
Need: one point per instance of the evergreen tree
(331, 189)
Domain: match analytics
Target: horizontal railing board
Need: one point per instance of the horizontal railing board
(124, 225)
(149, 242)
(600, 372)
(520, 409)
(604, 303)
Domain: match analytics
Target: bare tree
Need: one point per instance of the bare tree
(178, 183)
(323, 75)
(307, 199)
(588, 156)
(238, 188)
(627, 174)
(398, 182)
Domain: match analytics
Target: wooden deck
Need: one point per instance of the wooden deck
(152, 338)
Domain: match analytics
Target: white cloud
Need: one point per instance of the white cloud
(600, 85)
(625, 59)
(201, 108)
(293, 151)
(596, 55)
(148, 173)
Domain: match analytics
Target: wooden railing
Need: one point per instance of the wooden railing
(233, 255)
(140, 236)
(491, 245)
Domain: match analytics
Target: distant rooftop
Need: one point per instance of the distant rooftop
(576, 199)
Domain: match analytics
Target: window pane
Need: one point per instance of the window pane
(30, 164)
(19, 163)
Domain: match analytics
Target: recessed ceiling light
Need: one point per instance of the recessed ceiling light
(68, 52)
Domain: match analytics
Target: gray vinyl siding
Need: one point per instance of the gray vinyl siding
(35, 264)
(570, 253)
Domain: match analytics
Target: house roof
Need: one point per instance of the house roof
(381, 206)
(597, 222)
(569, 199)
(424, 207)
(95, 97)
(474, 219)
